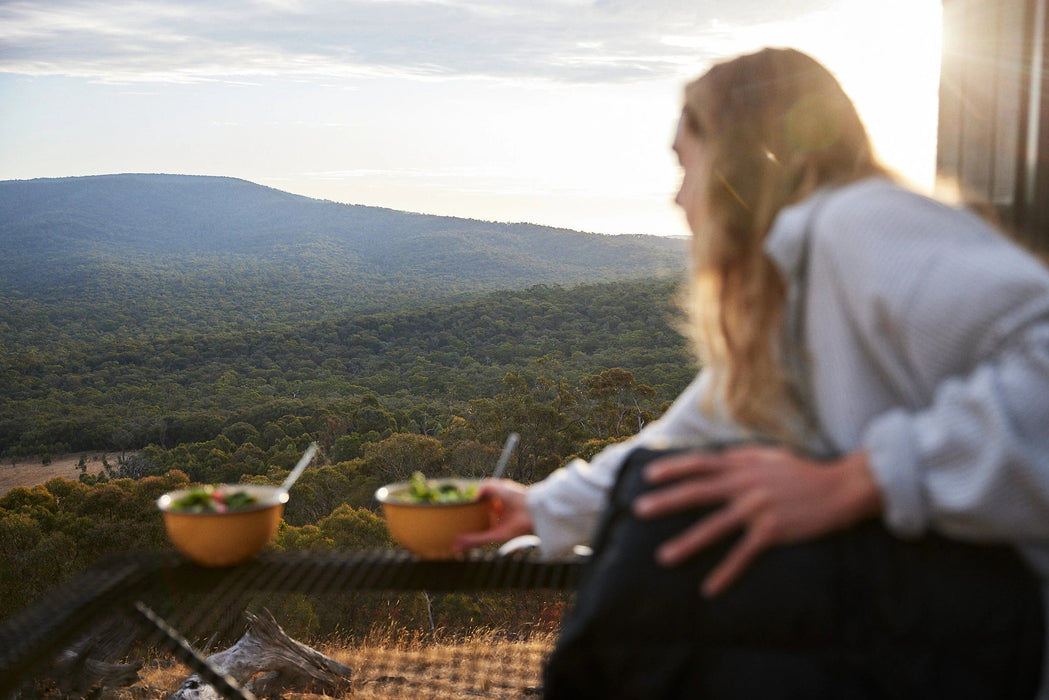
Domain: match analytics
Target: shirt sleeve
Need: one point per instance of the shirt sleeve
(957, 319)
(566, 506)
(975, 462)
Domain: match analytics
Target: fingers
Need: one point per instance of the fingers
(510, 516)
(695, 538)
(734, 564)
(690, 481)
(688, 464)
(681, 496)
(502, 532)
(735, 516)
(769, 494)
(491, 487)
(709, 530)
(685, 464)
(743, 510)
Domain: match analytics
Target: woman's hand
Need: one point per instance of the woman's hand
(774, 495)
(511, 515)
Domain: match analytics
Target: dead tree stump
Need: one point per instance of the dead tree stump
(267, 662)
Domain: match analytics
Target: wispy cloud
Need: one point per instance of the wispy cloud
(206, 40)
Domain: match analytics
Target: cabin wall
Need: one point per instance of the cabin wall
(994, 109)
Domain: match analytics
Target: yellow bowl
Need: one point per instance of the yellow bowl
(224, 539)
(428, 530)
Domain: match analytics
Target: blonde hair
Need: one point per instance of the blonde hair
(779, 126)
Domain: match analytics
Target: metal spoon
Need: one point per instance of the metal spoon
(297, 471)
(500, 467)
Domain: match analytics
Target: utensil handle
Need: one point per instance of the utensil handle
(511, 442)
(299, 468)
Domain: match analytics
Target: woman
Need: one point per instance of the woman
(835, 313)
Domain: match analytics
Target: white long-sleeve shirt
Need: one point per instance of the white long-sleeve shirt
(928, 338)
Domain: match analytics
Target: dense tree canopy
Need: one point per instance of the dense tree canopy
(189, 367)
(437, 389)
(374, 373)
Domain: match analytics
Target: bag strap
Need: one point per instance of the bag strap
(797, 359)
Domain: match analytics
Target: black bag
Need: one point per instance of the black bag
(859, 614)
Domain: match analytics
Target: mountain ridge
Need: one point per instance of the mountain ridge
(141, 254)
(168, 215)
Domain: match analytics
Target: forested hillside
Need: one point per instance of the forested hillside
(571, 369)
(189, 352)
(138, 309)
(79, 393)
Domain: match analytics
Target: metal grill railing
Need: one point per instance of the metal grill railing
(166, 601)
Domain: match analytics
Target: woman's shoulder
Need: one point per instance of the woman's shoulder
(886, 207)
(882, 218)
(878, 234)
(852, 224)
(876, 229)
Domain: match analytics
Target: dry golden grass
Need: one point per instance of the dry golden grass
(483, 664)
(33, 471)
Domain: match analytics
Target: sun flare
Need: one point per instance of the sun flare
(887, 56)
(892, 74)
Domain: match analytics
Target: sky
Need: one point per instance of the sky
(557, 112)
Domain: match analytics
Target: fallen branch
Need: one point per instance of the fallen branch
(285, 663)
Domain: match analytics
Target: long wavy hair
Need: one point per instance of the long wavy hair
(780, 127)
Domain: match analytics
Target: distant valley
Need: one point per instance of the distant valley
(140, 309)
(160, 330)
